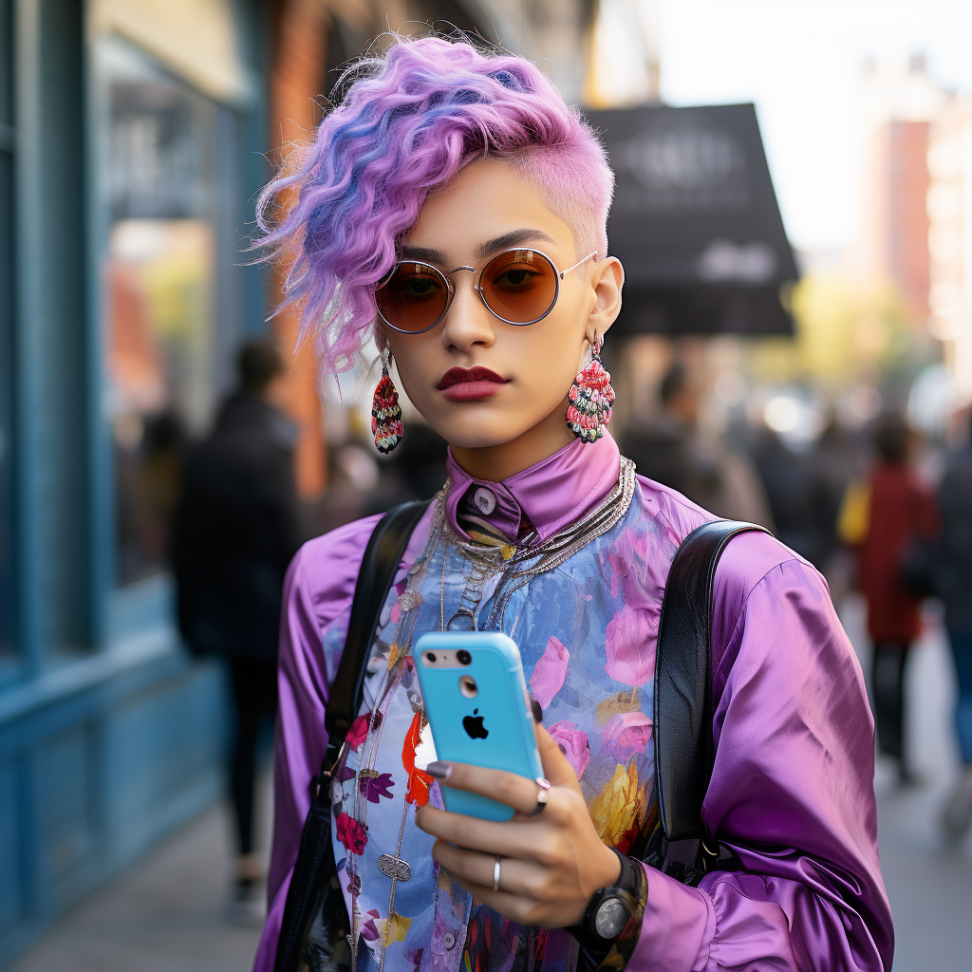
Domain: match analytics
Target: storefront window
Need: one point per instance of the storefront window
(160, 295)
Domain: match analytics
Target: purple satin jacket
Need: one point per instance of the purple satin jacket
(791, 790)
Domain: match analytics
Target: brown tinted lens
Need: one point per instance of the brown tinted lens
(520, 286)
(414, 298)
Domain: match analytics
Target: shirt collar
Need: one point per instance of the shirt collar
(553, 493)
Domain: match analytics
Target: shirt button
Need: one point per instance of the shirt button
(449, 941)
(485, 500)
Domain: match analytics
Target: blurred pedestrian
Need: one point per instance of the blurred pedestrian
(792, 489)
(669, 450)
(235, 532)
(416, 470)
(838, 457)
(882, 518)
(954, 584)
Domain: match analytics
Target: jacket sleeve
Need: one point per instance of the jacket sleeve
(791, 791)
(317, 599)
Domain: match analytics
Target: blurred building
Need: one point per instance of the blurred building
(917, 229)
(950, 236)
(554, 33)
(899, 107)
(133, 136)
(129, 146)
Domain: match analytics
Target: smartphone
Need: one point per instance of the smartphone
(479, 711)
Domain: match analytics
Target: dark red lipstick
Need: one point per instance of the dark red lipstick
(469, 384)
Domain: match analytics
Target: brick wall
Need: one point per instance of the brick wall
(297, 80)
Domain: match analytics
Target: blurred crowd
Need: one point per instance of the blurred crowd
(878, 509)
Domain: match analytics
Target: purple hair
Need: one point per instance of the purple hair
(408, 122)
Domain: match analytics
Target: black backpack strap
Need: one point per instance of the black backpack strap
(684, 748)
(380, 563)
(381, 560)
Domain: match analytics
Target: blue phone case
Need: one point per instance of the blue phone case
(501, 709)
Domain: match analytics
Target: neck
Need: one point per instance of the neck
(498, 462)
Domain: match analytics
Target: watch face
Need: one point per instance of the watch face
(611, 917)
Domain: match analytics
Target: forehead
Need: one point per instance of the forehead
(485, 201)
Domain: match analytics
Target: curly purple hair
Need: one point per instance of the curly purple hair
(406, 124)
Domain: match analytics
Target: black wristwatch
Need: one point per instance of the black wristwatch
(606, 914)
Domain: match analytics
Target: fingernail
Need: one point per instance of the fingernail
(439, 770)
(537, 711)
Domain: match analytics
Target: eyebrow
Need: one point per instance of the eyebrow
(518, 237)
(421, 253)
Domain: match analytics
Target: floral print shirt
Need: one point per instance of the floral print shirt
(570, 559)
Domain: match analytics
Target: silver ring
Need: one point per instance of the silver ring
(541, 796)
(496, 874)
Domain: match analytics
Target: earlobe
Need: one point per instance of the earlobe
(381, 338)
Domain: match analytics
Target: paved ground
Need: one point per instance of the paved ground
(929, 882)
(169, 915)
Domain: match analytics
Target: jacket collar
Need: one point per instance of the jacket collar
(551, 494)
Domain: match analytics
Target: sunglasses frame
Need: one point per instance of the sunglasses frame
(559, 275)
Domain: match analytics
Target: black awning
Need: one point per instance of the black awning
(695, 222)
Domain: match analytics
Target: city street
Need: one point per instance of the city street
(930, 885)
(195, 380)
(169, 914)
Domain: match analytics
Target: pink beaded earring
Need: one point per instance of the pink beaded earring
(591, 397)
(386, 415)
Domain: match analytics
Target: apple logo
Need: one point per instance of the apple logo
(474, 726)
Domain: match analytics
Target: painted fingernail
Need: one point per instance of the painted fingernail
(439, 770)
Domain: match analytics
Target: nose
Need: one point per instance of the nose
(467, 323)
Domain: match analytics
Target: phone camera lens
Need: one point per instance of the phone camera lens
(464, 657)
(430, 657)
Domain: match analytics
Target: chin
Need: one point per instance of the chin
(479, 432)
(470, 436)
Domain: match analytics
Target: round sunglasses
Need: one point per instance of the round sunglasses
(518, 286)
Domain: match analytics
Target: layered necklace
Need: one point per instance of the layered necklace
(483, 562)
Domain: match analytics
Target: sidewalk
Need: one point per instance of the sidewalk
(169, 914)
(929, 883)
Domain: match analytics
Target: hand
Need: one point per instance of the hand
(551, 864)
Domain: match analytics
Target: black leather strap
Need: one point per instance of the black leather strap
(378, 567)
(315, 866)
(684, 749)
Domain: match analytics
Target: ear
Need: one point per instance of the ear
(607, 282)
(381, 338)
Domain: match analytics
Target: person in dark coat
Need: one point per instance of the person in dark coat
(954, 585)
(901, 509)
(664, 448)
(670, 450)
(235, 533)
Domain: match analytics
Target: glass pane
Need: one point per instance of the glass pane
(6, 395)
(159, 277)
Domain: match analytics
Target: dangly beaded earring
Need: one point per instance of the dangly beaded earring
(591, 397)
(386, 415)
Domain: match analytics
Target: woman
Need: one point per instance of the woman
(455, 208)
(899, 511)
